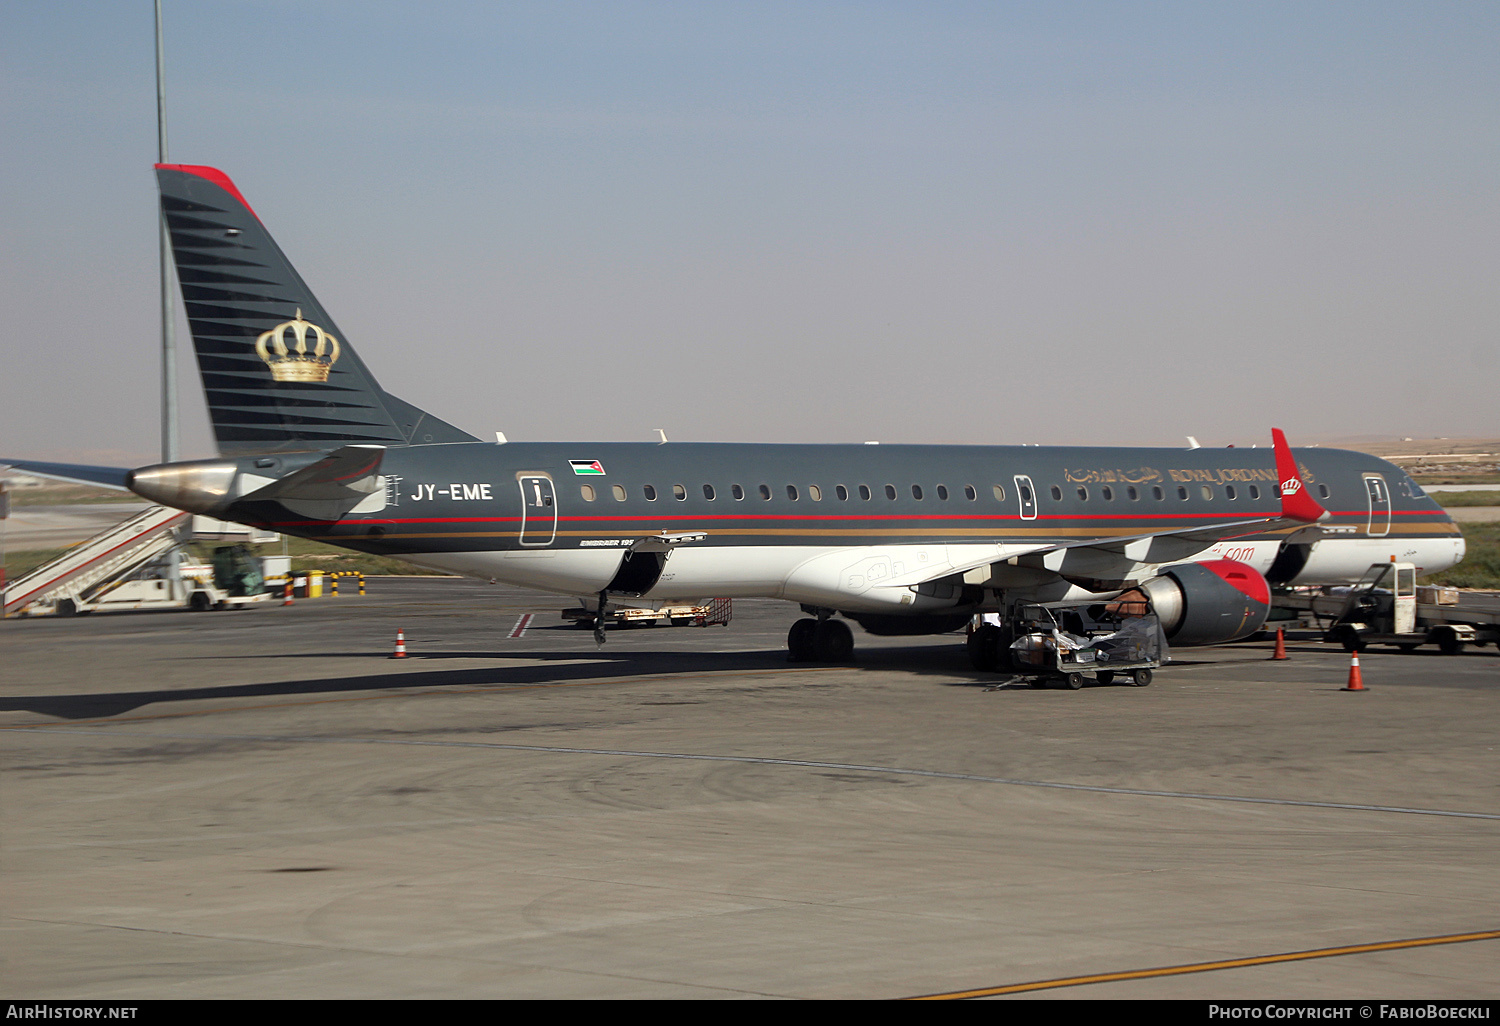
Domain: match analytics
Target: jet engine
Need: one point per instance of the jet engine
(1209, 603)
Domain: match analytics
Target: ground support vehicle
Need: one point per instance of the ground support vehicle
(1388, 607)
(717, 612)
(1106, 644)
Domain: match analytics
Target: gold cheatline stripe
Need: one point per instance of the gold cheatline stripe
(1203, 967)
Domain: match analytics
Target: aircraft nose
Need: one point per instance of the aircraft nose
(199, 487)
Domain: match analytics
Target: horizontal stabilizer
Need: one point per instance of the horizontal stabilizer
(347, 474)
(73, 473)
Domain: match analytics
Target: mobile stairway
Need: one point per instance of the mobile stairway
(99, 572)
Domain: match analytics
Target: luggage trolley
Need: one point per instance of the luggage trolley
(1093, 640)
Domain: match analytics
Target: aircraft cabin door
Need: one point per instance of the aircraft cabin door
(538, 510)
(1026, 496)
(1380, 505)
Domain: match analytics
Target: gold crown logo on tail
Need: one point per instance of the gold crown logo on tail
(294, 362)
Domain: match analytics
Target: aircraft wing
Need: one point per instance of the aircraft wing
(73, 473)
(1298, 509)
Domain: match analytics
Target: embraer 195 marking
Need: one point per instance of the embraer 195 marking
(903, 539)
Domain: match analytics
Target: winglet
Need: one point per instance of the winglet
(1296, 504)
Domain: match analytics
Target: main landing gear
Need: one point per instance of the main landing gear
(820, 641)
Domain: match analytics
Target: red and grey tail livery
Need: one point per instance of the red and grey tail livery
(278, 374)
(1296, 504)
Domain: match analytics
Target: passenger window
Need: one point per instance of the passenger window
(1255, 491)
(1207, 491)
(1182, 493)
(1157, 493)
(1323, 490)
(650, 492)
(619, 491)
(737, 492)
(815, 493)
(890, 491)
(942, 492)
(587, 491)
(708, 492)
(999, 493)
(1057, 493)
(842, 493)
(1108, 493)
(1083, 493)
(864, 492)
(765, 492)
(1229, 491)
(791, 492)
(971, 494)
(916, 492)
(679, 493)
(1135, 496)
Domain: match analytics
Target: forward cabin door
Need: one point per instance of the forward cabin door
(538, 510)
(1026, 496)
(1380, 505)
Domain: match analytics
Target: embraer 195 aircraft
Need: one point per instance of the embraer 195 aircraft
(902, 539)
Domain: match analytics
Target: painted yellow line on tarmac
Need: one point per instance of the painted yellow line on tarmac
(1204, 967)
(487, 689)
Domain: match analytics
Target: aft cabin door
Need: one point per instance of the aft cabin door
(1380, 505)
(538, 510)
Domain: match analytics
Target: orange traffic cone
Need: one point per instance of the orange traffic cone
(1280, 652)
(400, 652)
(1355, 682)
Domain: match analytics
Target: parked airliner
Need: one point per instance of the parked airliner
(901, 539)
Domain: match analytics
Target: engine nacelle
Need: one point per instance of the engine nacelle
(1209, 603)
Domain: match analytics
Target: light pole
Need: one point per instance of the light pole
(169, 442)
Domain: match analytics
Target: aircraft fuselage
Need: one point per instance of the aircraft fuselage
(740, 520)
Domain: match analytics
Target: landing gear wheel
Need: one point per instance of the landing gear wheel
(1072, 681)
(1105, 676)
(833, 642)
(1140, 678)
(799, 640)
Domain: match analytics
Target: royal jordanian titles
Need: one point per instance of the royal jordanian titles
(901, 539)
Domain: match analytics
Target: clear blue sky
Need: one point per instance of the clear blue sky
(968, 222)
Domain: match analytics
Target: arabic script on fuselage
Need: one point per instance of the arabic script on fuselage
(1140, 475)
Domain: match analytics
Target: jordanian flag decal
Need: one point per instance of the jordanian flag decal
(586, 466)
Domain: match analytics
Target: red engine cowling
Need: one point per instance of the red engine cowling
(1209, 603)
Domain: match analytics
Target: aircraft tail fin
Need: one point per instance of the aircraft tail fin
(278, 374)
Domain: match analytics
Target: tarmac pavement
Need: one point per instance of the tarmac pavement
(263, 803)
